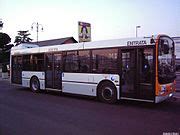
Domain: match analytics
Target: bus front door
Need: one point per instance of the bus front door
(54, 71)
(137, 74)
(128, 74)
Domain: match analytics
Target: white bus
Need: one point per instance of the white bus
(140, 69)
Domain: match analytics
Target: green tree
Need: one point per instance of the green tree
(22, 37)
(4, 40)
(5, 47)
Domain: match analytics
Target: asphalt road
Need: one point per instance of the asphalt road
(25, 113)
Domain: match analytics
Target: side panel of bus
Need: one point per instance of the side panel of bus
(86, 84)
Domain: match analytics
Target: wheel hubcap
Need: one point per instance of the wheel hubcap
(107, 93)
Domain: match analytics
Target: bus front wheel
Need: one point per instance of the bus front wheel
(107, 93)
(34, 84)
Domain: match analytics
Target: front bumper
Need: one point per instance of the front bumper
(159, 99)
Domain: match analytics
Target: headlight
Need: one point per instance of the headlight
(170, 95)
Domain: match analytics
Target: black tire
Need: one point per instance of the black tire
(35, 85)
(107, 93)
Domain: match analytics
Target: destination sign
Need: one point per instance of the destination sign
(136, 43)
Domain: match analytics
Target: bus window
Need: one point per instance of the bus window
(71, 62)
(26, 63)
(128, 71)
(38, 62)
(33, 62)
(84, 61)
(166, 66)
(105, 60)
(146, 65)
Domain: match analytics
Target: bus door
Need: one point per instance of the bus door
(137, 73)
(54, 71)
(128, 73)
(145, 73)
(17, 69)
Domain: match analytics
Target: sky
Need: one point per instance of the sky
(110, 19)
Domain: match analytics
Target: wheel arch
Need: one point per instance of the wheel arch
(35, 77)
(105, 81)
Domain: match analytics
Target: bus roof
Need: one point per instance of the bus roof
(143, 41)
(24, 46)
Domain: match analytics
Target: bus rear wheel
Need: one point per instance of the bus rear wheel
(35, 85)
(107, 93)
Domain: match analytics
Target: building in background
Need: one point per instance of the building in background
(177, 49)
(59, 41)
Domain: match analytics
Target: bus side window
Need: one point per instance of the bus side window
(26, 63)
(105, 60)
(84, 61)
(71, 62)
(38, 62)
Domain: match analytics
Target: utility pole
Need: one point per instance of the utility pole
(37, 28)
(137, 30)
(1, 24)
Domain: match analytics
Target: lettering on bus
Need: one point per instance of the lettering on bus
(16, 53)
(136, 43)
(52, 49)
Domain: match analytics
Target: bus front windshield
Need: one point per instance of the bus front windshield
(166, 61)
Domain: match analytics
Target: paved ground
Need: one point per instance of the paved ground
(25, 113)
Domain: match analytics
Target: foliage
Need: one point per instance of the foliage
(4, 40)
(4, 56)
(4, 68)
(5, 47)
(22, 37)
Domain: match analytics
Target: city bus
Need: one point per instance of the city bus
(141, 69)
